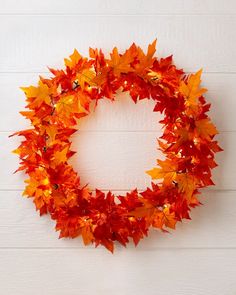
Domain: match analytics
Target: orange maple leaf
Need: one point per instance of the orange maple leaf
(101, 76)
(205, 129)
(38, 186)
(167, 171)
(145, 60)
(169, 218)
(51, 131)
(69, 105)
(191, 91)
(186, 184)
(86, 76)
(60, 156)
(121, 63)
(87, 233)
(146, 210)
(163, 218)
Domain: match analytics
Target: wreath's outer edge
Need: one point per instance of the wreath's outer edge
(55, 105)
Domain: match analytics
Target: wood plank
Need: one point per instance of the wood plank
(117, 160)
(123, 114)
(114, 7)
(32, 42)
(59, 272)
(212, 225)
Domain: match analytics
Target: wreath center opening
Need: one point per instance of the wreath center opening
(116, 143)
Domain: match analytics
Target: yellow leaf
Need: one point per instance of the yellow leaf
(72, 105)
(74, 59)
(31, 187)
(37, 95)
(80, 108)
(65, 106)
(86, 76)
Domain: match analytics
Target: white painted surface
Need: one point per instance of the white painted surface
(115, 146)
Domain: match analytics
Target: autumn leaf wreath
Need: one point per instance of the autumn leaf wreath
(56, 105)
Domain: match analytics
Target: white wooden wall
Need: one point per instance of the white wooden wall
(115, 147)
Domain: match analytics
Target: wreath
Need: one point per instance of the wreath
(56, 105)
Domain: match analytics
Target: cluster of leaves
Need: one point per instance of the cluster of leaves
(54, 107)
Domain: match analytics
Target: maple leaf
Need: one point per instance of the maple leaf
(86, 76)
(205, 129)
(121, 63)
(31, 116)
(151, 50)
(41, 200)
(108, 244)
(70, 105)
(100, 66)
(60, 156)
(84, 100)
(75, 57)
(65, 105)
(145, 60)
(52, 132)
(101, 76)
(191, 90)
(186, 184)
(30, 189)
(183, 135)
(215, 147)
(155, 216)
(163, 218)
(146, 210)
(38, 187)
(169, 218)
(87, 233)
(167, 171)
(80, 110)
(58, 199)
(37, 95)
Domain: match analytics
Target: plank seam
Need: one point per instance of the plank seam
(118, 246)
(116, 14)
